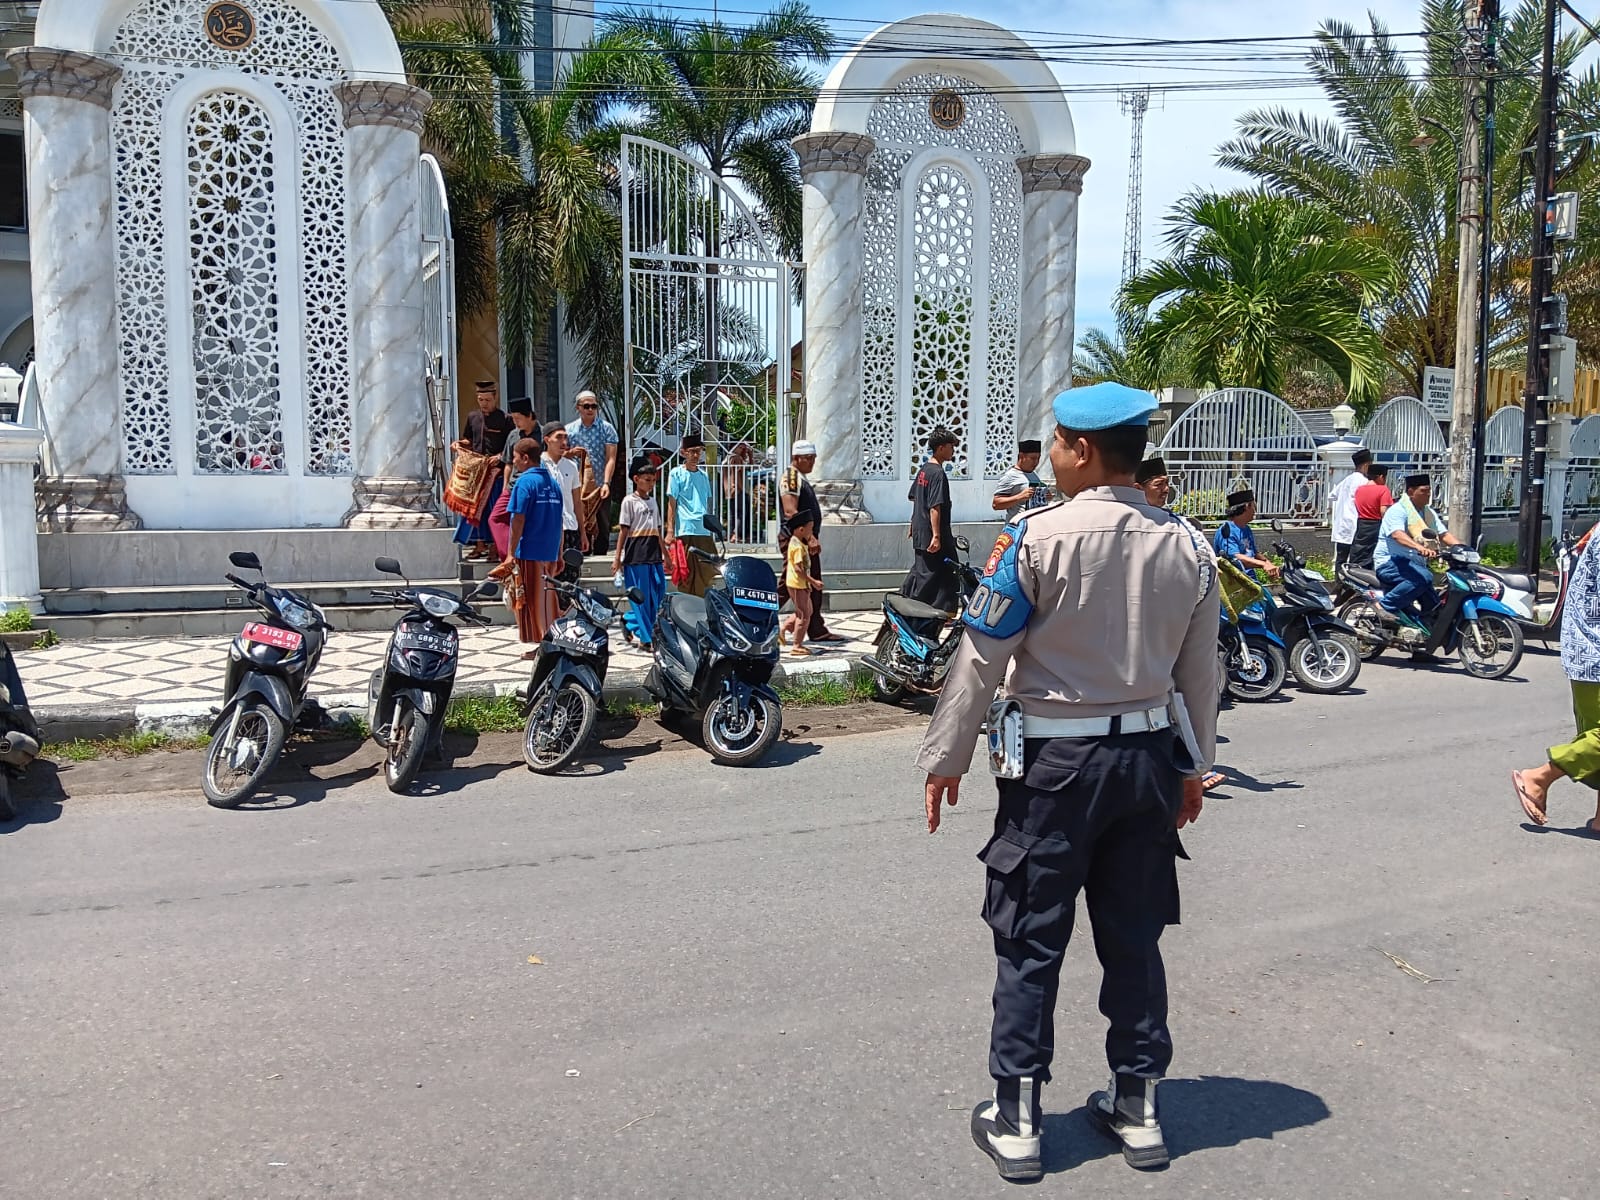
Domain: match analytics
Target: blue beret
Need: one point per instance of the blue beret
(1102, 406)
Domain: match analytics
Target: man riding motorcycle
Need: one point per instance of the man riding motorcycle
(1400, 558)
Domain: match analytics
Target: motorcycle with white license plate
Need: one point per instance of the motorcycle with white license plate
(408, 695)
(270, 664)
(714, 657)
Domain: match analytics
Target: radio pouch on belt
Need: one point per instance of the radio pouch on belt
(1005, 739)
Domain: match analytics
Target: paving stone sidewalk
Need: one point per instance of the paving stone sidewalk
(179, 675)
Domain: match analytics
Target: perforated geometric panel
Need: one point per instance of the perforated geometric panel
(985, 324)
(941, 329)
(233, 268)
(159, 44)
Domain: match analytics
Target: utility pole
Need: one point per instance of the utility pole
(1542, 312)
(1135, 101)
(1470, 220)
(1489, 18)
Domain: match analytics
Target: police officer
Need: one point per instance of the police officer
(1102, 608)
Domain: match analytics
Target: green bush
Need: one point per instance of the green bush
(16, 620)
(1202, 505)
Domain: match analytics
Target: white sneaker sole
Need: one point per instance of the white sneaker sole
(1024, 1168)
(1143, 1149)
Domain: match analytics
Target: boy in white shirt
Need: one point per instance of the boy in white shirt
(573, 536)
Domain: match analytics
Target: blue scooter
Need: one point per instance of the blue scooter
(916, 641)
(1252, 656)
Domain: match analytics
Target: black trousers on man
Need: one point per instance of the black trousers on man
(1096, 814)
(935, 580)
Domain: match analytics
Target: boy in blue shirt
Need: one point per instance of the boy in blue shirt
(1235, 539)
(536, 519)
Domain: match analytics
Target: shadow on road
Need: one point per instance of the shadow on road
(1208, 1113)
(1582, 831)
(37, 797)
(1237, 780)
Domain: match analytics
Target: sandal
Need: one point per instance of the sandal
(799, 652)
(1533, 811)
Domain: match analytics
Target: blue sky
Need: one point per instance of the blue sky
(1182, 131)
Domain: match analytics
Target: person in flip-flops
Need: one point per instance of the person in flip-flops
(1578, 759)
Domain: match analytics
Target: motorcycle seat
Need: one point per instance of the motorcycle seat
(914, 610)
(687, 612)
(1511, 579)
(1362, 577)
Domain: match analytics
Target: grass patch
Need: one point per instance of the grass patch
(632, 710)
(484, 714)
(124, 745)
(16, 620)
(819, 693)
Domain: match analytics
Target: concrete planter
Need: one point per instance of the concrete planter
(26, 640)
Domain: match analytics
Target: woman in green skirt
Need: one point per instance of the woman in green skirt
(1578, 759)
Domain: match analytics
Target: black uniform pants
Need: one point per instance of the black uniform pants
(1097, 815)
(935, 580)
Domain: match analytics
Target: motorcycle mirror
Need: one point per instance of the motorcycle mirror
(1277, 525)
(1429, 535)
(1478, 545)
(636, 595)
(388, 566)
(245, 560)
(714, 524)
(572, 558)
(962, 544)
(487, 590)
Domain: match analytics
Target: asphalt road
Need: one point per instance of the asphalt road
(774, 983)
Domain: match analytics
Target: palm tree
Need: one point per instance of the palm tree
(532, 211)
(1251, 280)
(1387, 167)
(1103, 356)
(732, 98)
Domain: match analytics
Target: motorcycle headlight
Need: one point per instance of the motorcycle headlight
(436, 605)
(733, 631)
(303, 617)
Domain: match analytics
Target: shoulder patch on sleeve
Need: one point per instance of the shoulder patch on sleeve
(998, 608)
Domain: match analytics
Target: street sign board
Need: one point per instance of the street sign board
(1437, 385)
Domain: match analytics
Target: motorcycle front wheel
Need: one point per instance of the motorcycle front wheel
(235, 766)
(736, 738)
(408, 741)
(1262, 677)
(1491, 646)
(884, 688)
(1326, 666)
(550, 742)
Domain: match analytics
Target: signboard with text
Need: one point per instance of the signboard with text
(1437, 385)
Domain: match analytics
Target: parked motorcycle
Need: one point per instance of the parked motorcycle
(1469, 623)
(408, 695)
(270, 664)
(714, 657)
(1324, 651)
(1519, 592)
(563, 697)
(19, 732)
(916, 641)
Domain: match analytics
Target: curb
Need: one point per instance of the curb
(184, 718)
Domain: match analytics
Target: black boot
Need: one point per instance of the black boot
(1127, 1111)
(1007, 1129)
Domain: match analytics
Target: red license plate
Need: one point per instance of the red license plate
(271, 635)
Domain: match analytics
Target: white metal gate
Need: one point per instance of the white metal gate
(1237, 438)
(708, 309)
(1404, 436)
(438, 317)
(1502, 463)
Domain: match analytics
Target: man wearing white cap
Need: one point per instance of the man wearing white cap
(798, 499)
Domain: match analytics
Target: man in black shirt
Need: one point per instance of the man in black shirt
(797, 496)
(484, 432)
(933, 578)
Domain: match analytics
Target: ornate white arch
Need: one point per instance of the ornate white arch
(1404, 424)
(946, 43)
(357, 28)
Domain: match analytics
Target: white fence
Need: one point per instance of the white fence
(1240, 437)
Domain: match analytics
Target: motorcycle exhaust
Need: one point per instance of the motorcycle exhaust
(878, 668)
(17, 749)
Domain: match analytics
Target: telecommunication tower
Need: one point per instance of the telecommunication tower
(1136, 102)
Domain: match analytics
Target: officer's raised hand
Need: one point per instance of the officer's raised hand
(946, 788)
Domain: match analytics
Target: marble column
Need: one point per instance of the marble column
(833, 167)
(66, 101)
(390, 415)
(19, 541)
(1051, 185)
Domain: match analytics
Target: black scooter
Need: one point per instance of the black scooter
(19, 732)
(569, 674)
(1324, 651)
(408, 695)
(270, 664)
(714, 657)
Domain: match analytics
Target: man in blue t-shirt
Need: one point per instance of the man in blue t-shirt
(1236, 540)
(688, 502)
(1400, 557)
(536, 519)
